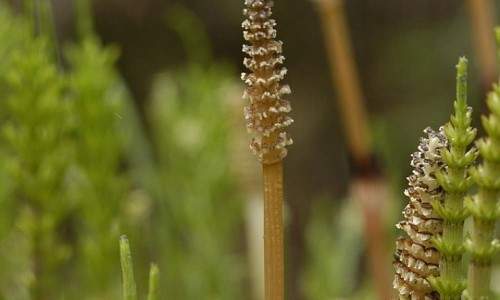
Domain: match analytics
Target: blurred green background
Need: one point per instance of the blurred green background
(124, 117)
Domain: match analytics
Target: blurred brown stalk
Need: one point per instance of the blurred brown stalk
(368, 190)
(482, 15)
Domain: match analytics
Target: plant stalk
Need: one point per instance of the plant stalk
(346, 79)
(267, 119)
(129, 288)
(483, 232)
(480, 272)
(273, 232)
(482, 18)
(455, 181)
(483, 207)
(154, 274)
(355, 120)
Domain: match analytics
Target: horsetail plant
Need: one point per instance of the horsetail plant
(37, 150)
(429, 262)
(454, 179)
(129, 287)
(416, 256)
(154, 274)
(267, 117)
(482, 244)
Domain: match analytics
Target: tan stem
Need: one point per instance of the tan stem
(369, 192)
(482, 14)
(478, 275)
(273, 232)
(255, 243)
(346, 78)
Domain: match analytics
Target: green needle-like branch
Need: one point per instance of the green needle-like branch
(154, 274)
(128, 281)
(455, 181)
(483, 206)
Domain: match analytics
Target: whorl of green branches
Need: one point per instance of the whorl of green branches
(62, 153)
(455, 181)
(483, 207)
(37, 151)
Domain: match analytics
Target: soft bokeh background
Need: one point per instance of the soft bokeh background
(181, 177)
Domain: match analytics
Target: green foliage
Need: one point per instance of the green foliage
(129, 287)
(190, 31)
(84, 20)
(334, 243)
(70, 151)
(191, 130)
(196, 214)
(483, 207)
(61, 150)
(37, 150)
(154, 273)
(456, 181)
(99, 102)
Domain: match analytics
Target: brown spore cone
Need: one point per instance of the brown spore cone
(267, 113)
(416, 258)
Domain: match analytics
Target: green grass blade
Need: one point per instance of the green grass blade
(128, 281)
(154, 273)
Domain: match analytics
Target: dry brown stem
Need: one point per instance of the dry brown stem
(273, 232)
(267, 119)
(345, 78)
(368, 191)
(482, 14)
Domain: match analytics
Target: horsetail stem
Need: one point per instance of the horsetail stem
(482, 244)
(267, 118)
(154, 273)
(129, 288)
(455, 181)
